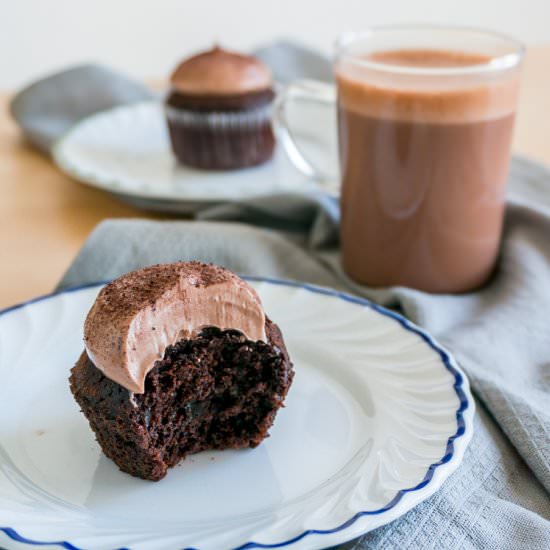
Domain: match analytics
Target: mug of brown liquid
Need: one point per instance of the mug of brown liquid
(425, 119)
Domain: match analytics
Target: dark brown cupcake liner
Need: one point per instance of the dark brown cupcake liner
(221, 140)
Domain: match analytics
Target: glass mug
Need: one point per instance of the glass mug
(425, 119)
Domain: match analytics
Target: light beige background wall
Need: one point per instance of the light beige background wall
(146, 37)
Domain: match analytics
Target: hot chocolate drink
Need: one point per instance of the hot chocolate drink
(424, 163)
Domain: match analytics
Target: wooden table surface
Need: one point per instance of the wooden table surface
(45, 216)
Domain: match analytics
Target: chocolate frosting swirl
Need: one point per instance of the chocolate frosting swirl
(220, 72)
(135, 317)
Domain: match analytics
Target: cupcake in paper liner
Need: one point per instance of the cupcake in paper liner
(219, 111)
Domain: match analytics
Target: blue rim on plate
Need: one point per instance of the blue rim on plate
(406, 324)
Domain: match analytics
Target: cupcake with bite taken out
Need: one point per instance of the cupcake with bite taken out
(219, 111)
(179, 358)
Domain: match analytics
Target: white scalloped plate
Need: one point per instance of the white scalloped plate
(126, 151)
(379, 415)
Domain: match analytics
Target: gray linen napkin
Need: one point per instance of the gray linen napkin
(46, 109)
(289, 61)
(499, 497)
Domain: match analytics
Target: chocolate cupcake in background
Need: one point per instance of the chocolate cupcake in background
(219, 111)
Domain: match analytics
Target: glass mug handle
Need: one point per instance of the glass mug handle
(318, 95)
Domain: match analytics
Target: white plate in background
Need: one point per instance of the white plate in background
(126, 151)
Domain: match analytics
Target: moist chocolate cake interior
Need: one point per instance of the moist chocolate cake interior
(215, 391)
(187, 407)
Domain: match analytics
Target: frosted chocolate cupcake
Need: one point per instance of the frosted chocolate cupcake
(179, 358)
(219, 111)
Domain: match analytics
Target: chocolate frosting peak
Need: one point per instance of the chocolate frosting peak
(220, 72)
(137, 316)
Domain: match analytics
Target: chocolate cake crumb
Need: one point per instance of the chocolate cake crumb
(218, 390)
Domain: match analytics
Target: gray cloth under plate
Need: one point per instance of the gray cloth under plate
(500, 334)
(46, 109)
